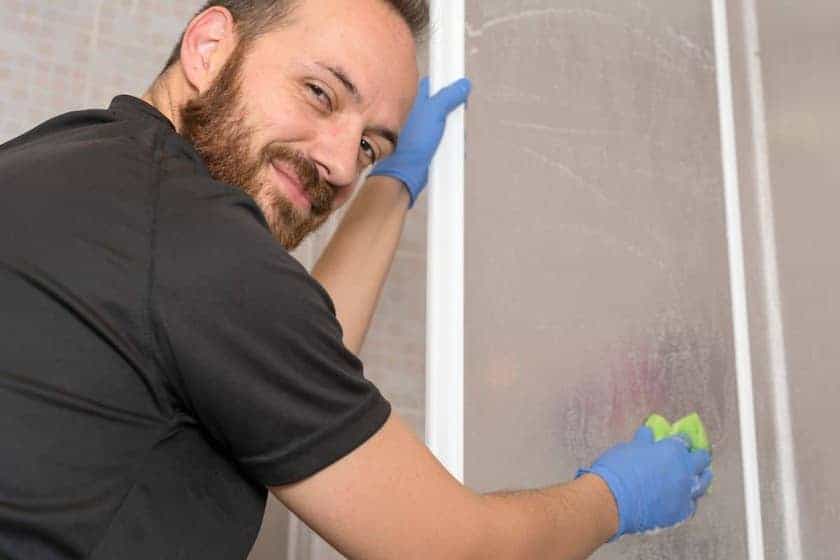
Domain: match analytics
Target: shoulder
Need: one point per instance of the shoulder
(213, 239)
(84, 148)
(63, 124)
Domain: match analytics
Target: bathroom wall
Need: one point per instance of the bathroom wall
(57, 56)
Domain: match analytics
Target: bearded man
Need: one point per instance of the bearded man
(165, 362)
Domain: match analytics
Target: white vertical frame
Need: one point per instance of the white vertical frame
(738, 284)
(445, 264)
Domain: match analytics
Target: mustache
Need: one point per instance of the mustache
(320, 192)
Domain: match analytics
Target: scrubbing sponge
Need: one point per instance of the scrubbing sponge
(690, 426)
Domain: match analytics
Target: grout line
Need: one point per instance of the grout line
(775, 326)
(93, 47)
(737, 284)
(445, 269)
(293, 537)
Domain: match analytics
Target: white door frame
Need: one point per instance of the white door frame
(445, 262)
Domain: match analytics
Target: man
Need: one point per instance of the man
(164, 360)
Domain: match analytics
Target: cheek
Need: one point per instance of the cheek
(343, 194)
(276, 118)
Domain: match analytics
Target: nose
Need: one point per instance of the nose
(337, 155)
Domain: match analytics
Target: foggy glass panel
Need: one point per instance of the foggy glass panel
(800, 62)
(596, 259)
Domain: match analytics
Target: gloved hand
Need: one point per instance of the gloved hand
(655, 485)
(421, 135)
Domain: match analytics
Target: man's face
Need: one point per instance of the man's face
(295, 117)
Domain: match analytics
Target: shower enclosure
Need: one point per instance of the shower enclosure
(649, 226)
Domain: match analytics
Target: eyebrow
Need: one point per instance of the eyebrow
(386, 133)
(341, 75)
(348, 84)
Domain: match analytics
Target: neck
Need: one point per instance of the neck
(167, 97)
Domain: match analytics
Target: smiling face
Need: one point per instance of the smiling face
(296, 116)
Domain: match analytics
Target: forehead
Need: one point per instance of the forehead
(367, 39)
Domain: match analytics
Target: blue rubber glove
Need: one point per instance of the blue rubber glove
(655, 485)
(421, 135)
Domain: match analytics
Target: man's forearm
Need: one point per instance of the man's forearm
(567, 521)
(357, 259)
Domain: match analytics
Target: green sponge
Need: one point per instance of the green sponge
(690, 426)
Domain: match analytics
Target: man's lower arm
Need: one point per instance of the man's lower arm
(567, 521)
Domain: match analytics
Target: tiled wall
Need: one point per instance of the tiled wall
(58, 55)
(62, 55)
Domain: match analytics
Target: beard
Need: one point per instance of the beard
(213, 124)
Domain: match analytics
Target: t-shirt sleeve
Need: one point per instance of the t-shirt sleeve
(253, 348)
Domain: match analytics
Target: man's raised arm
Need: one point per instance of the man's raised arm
(356, 262)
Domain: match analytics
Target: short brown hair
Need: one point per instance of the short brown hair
(255, 17)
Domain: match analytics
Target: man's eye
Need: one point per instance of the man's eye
(368, 150)
(321, 95)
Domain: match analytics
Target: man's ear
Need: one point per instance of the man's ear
(208, 42)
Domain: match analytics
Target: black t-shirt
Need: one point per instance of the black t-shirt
(162, 358)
